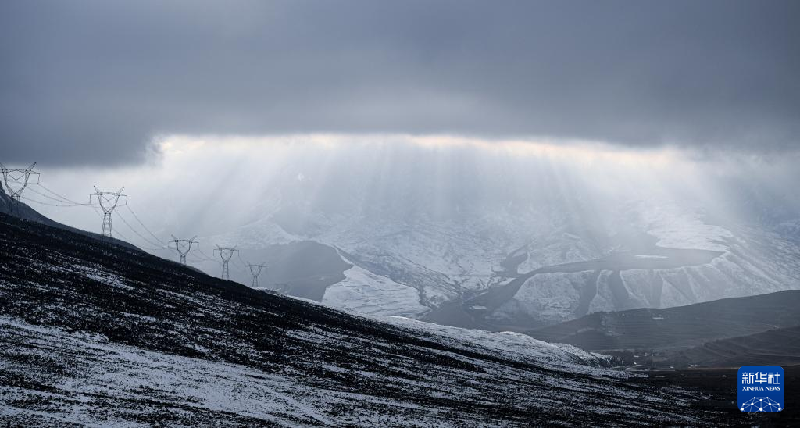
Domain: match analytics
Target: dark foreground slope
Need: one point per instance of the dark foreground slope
(92, 332)
(681, 326)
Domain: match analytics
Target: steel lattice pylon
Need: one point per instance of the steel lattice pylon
(15, 180)
(108, 201)
(225, 253)
(255, 270)
(183, 246)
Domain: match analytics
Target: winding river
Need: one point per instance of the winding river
(471, 313)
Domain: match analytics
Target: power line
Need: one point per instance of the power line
(108, 202)
(241, 266)
(207, 258)
(143, 226)
(134, 231)
(124, 238)
(100, 214)
(239, 256)
(28, 199)
(58, 195)
(158, 245)
(61, 201)
(225, 253)
(16, 180)
(255, 270)
(183, 246)
(150, 248)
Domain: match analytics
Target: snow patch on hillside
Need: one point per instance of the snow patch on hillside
(604, 299)
(676, 228)
(367, 293)
(515, 346)
(547, 297)
(130, 375)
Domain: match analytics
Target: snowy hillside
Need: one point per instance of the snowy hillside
(96, 333)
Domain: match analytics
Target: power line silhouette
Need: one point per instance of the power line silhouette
(15, 181)
(183, 246)
(225, 253)
(108, 201)
(255, 270)
(142, 224)
(205, 256)
(58, 195)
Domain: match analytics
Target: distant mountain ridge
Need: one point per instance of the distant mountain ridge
(678, 327)
(428, 233)
(776, 347)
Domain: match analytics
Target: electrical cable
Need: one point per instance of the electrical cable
(45, 203)
(205, 255)
(59, 195)
(134, 230)
(151, 248)
(61, 201)
(236, 262)
(143, 226)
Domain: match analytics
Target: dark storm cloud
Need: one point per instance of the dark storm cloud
(93, 82)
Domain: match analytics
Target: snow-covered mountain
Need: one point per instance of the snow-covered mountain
(519, 241)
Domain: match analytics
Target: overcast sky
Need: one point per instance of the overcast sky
(94, 82)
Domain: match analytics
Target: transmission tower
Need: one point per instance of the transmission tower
(183, 246)
(225, 253)
(108, 201)
(255, 270)
(16, 179)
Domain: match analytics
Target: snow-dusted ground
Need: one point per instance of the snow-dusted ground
(681, 228)
(102, 335)
(53, 377)
(74, 371)
(515, 346)
(370, 294)
(546, 296)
